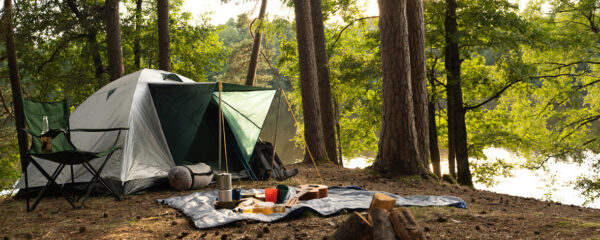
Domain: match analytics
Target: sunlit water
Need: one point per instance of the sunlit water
(553, 184)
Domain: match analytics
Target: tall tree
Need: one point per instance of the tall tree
(456, 112)
(313, 130)
(434, 151)
(398, 154)
(15, 82)
(137, 49)
(325, 98)
(164, 42)
(251, 76)
(416, 42)
(116, 68)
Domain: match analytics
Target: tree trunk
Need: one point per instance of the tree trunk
(325, 99)
(137, 50)
(338, 131)
(397, 153)
(251, 76)
(313, 130)
(92, 33)
(433, 142)
(15, 83)
(113, 40)
(456, 114)
(164, 49)
(416, 42)
(95, 51)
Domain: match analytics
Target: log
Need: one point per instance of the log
(382, 227)
(382, 201)
(355, 227)
(405, 225)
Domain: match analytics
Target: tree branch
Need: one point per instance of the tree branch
(496, 95)
(346, 27)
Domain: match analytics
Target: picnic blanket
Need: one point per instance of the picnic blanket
(200, 206)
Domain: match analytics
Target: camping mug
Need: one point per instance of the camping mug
(282, 192)
(236, 193)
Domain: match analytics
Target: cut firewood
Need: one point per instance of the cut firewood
(405, 224)
(355, 227)
(382, 201)
(382, 227)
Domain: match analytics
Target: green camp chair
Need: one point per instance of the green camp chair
(50, 120)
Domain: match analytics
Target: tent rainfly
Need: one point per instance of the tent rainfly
(172, 120)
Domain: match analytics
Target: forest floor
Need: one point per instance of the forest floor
(488, 215)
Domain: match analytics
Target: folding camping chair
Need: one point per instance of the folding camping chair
(48, 124)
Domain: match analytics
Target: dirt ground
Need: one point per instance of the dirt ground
(488, 215)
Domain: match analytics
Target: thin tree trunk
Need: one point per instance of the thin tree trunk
(454, 93)
(313, 130)
(15, 83)
(338, 131)
(434, 150)
(251, 76)
(322, 61)
(433, 142)
(398, 154)
(164, 41)
(95, 51)
(416, 42)
(113, 40)
(451, 155)
(93, 46)
(137, 50)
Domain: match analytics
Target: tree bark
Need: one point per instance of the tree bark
(397, 153)
(113, 40)
(137, 50)
(433, 142)
(15, 83)
(95, 51)
(251, 76)
(325, 99)
(456, 113)
(416, 42)
(382, 226)
(313, 130)
(451, 155)
(164, 42)
(338, 131)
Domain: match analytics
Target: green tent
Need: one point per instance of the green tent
(188, 115)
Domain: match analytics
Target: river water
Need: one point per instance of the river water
(553, 184)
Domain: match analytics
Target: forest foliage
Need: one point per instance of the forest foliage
(530, 76)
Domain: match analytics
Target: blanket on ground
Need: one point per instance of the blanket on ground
(200, 206)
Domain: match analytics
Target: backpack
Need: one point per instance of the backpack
(261, 161)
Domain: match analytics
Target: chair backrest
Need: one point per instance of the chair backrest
(57, 114)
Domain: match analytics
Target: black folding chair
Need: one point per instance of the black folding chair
(48, 125)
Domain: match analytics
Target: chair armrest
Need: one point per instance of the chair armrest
(97, 129)
(50, 133)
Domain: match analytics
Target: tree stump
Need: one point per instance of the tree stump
(382, 201)
(355, 227)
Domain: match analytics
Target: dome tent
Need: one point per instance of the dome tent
(172, 120)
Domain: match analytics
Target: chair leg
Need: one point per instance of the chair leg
(96, 177)
(27, 189)
(51, 181)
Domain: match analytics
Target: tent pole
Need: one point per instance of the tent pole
(276, 126)
(220, 129)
